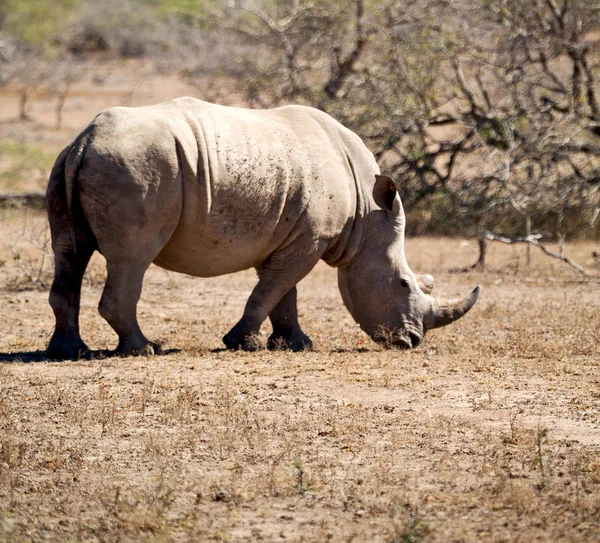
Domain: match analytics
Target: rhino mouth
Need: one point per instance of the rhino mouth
(408, 341)
(415, 339)
(399, 339)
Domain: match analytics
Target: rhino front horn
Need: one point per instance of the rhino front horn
(444, 312)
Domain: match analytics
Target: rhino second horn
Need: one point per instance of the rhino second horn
(446, 311)
(426, 283)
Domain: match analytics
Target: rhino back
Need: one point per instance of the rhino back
(242, 183)
(258, 180)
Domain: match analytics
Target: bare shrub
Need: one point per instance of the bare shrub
(486, 115)
(33, 257)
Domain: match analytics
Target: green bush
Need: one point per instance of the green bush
(21, 162)
(36, 21)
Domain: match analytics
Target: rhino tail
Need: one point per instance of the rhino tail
(62, 200)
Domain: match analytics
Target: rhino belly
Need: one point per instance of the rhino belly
(201, 253)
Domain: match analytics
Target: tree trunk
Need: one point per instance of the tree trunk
(483, 247)
(23, 99)
(528, 235)
(60, 103)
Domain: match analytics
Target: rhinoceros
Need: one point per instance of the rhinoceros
(207, 190)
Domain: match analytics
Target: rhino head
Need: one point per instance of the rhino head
(390, 302)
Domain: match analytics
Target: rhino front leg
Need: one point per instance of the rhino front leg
(287, 333)
(278, 276)
(118, 306)
(65, 296)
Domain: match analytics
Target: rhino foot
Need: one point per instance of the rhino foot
(236, 341)
(64, 348)
(293, 342)
(149, 349)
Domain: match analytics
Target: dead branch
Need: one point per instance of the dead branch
(29, 270)
(343, 68)
(25, 199)
(534, 240)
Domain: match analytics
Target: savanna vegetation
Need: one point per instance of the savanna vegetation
(487, 432)
(488, 114)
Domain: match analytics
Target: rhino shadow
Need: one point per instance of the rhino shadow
(29, 357)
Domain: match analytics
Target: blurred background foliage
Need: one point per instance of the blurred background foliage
(485, 111)
(36, 21)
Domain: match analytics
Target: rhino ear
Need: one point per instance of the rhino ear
(384, 192)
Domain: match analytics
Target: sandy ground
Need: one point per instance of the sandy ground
(489, 431)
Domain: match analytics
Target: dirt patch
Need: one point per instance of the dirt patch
(489, 431)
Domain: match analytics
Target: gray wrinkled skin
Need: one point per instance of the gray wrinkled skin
(208, 190)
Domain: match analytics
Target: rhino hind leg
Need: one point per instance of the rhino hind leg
(287, 333)
(65, 297)
(132, 203)
(118, 305)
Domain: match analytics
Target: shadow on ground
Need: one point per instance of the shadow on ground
(41, 356)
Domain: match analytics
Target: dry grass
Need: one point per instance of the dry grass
(487, 432)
